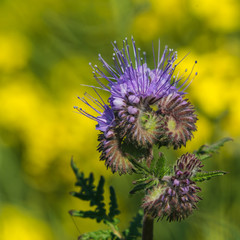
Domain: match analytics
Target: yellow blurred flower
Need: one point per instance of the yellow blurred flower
(165, 9)
(51, 130)
(217, 86)
(146, 26)
(222, 15)
(15, 223)
(14, 51)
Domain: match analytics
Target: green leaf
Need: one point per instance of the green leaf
(98, 235)
(113, 211)
(135, 227)
(206, 151)
(84, 214)
(158, 164)
(140, 180)
(95, 195)
(99, 200)
(144, 185)
(203, 176)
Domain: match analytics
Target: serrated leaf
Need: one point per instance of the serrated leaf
(206, 151)
(84, 214)
(139, 168)
(95, 195)
(203, 176)
(158, 164)
(97, 235)
(74, 167)
(144, 185)
(98, 200)
(134, 230)
(113, 211)
(140, 180)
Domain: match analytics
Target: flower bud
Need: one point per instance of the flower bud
(179, 120)
(176, 196)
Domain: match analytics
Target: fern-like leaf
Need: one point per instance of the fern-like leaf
(98, 235)
(95, 195)
(134, 230)
(113, 210)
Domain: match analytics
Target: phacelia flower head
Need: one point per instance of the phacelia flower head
(176, 197)
(145, 106)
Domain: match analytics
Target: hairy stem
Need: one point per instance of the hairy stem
(147, 233)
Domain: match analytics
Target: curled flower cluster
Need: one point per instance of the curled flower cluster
(176, 197)
(146, 107)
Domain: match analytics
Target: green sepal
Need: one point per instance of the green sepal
(206, 151)
(203, 176)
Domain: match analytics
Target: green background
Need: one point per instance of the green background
(45, 48)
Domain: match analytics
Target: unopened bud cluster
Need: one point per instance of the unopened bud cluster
(176, 196)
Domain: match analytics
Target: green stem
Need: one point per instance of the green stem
(147, 233)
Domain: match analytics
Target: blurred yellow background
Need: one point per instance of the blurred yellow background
(45, 48)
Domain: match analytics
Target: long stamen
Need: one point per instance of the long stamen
(188, 77)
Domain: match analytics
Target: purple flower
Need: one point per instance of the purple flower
(105, 118)
(131, 119)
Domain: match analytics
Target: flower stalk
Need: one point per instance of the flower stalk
(147, 232)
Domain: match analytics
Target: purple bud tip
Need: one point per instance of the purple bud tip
(169, 191)
(196, 62)
(132, 110)
(75, 107)
(133, 99)
(132, 119)
(176, 182)
(109, 134)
